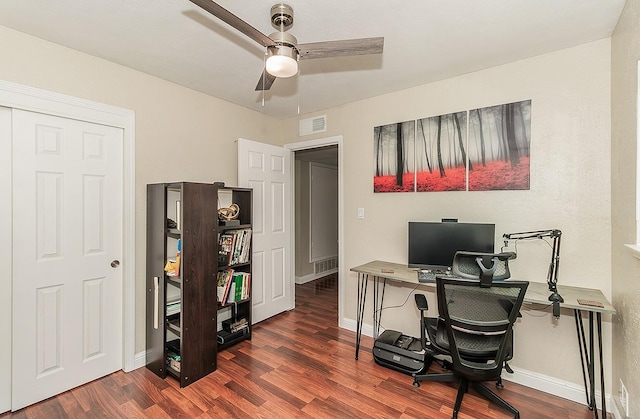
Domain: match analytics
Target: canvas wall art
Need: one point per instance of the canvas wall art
(499, 147)
(393, 151)
(478, 150)
(441, 155)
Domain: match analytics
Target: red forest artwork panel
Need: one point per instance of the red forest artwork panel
(478, 150)
(393, 150)
(441, 155)
(499, 147)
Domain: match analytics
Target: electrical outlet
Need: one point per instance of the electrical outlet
(624, 399)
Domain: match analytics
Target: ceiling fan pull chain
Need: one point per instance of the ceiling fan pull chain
(298, 88)
(264, 74)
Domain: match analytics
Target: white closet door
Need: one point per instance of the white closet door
(67, 242)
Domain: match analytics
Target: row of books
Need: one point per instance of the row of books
(233, 326)
(233, 286)
(234, 247)
(173, 307)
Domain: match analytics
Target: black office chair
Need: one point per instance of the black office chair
(478, 322)
(486, 267)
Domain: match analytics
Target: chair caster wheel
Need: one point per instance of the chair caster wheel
(416, 384)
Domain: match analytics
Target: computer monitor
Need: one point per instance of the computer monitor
(432, 245)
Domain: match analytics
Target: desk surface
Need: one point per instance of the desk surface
(537, 292)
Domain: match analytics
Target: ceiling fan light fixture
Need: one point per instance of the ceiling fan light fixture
(282, 62)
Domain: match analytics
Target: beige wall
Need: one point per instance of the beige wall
(625, 52)
(180, 134)
(570, 190)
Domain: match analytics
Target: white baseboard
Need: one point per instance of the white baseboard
(544, 383)
(140, 360)
(311, 277)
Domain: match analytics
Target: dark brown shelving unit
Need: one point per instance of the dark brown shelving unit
(190, 331)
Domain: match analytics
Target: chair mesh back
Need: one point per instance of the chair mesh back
(479, 319)
(484, 306)
(467, 265)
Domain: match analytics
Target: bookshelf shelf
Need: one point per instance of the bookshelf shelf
(176, 281)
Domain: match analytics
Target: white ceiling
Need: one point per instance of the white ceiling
(425, 41)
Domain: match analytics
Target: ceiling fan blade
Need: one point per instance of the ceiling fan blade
(346, 47)
(233, 20)
(265, 82)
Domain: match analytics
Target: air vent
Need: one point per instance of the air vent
(313, 125)
(327, 265)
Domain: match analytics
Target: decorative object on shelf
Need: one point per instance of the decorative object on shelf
(229, 213)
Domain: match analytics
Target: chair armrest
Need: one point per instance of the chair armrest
(421, 302)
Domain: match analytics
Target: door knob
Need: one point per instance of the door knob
(115, 263)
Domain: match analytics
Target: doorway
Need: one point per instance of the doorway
(316, 213)
(317, 256)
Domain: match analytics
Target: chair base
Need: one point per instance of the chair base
(479, 387)
(445, 377)
(484, 391)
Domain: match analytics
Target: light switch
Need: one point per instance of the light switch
(361, 213)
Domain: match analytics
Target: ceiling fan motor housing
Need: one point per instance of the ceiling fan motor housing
(282, 16)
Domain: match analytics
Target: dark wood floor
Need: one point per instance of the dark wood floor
(298, 364)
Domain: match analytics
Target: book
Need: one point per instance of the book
(173, 307)
(238, 291)
(246, 285)
(224, 284)
(178, 216)
(246, 246)
(226, 337)
(226, 245)
(231, 325)
(231, 293)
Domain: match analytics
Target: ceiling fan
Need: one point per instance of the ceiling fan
(282, 49)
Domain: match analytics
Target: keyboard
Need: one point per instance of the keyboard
(426, 277)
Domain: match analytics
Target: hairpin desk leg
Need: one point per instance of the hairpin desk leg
(362, 298)
(587, 358)
(378, 298)
(602, 392)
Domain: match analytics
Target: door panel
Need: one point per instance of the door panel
(266, 169)
(67, 229)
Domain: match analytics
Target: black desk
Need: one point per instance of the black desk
(537, 293)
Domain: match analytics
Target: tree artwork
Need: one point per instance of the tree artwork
(441, 153)
(499, 147)
(393, 157)
(434, 153)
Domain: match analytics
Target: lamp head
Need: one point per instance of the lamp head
(283, 59)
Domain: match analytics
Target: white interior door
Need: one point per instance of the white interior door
(266, 169)
(67, 241)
